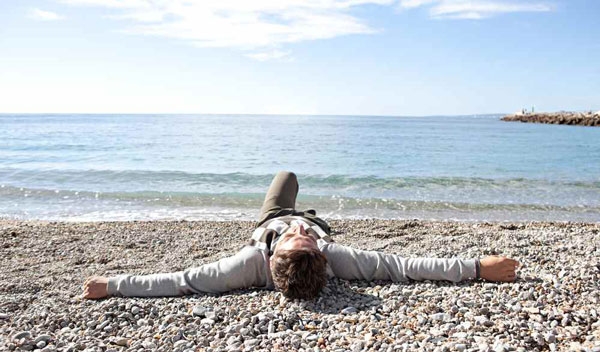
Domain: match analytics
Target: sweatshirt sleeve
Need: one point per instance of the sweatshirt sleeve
(245, 269)
(353, 264)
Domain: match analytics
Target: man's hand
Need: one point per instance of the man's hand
(496, 268)
(95, 287)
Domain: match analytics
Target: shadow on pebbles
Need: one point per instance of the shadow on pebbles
(553, 305)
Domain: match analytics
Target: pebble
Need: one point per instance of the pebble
(251, 343)
(440, 317)
(122, 341)
(500, 348)
(271, 328)
(199, 311)
(180, 343)
(149, 345)
(550, 338)
(22, 335)
(483, 320)
(358, 346)
(211, 314)
(531, 310)
(539, 311)
(349, 310)
(40, 344)
(44, 338)
(207, 321)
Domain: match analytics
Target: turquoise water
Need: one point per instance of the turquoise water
(124, 167)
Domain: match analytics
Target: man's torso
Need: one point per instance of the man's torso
(267, 234)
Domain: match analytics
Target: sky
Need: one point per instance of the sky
(350, 57)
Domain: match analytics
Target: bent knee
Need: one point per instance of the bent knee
(286, 175)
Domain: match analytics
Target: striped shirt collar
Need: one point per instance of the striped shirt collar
(267, 234)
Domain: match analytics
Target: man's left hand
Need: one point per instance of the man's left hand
(497, 268)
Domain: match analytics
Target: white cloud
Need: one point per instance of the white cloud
(269, 55)
(260, 27)
(247, 25)
(41, 15)
(409, 4)
(474, 9)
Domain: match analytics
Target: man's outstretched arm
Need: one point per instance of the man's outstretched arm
(353, 264)
(245, 269)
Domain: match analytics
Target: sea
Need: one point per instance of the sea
(82, 167)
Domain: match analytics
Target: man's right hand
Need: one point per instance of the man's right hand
(497, 268)
(95, 287)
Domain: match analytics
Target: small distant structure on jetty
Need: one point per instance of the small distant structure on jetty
(588, 118)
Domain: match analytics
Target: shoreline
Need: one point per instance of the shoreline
(588, 118)
(553, 303)
(511, 223)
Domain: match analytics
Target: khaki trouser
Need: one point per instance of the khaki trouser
(281, 200)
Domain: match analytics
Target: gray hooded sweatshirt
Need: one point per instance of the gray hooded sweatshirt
(250, 268)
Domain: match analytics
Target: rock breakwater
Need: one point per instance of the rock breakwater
(558, 118)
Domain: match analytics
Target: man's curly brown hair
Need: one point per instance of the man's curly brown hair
(299, 273)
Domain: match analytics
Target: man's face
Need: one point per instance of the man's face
(296, 238)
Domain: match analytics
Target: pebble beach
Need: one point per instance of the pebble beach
(553, 305)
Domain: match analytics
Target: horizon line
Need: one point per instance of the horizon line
(243, 114)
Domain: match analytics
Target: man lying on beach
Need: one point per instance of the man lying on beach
(291, 251)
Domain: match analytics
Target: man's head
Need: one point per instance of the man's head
(297, 265)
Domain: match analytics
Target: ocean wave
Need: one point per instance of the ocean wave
(139, 195)
(91, 177)
(254, 200)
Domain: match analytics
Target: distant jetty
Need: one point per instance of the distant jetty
(558, 118)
